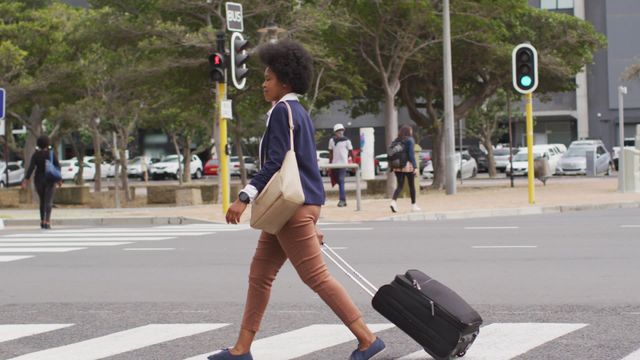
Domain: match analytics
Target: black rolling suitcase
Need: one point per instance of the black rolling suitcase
(437, 318)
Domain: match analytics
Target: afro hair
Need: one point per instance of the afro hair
(291, 63)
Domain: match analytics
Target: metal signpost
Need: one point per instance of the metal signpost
(5, 126)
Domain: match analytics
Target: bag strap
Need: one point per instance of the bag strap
(290, 123)
(339, 261)
(51, 156)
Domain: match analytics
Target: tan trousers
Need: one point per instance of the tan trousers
(298, 242)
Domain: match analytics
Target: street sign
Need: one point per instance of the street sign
(3, 103)
(234, 17)
(226, 108)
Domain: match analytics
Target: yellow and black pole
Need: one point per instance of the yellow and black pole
(530, 174)
(223, 157)
(525, 81)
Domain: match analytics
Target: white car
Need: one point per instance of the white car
(521, 160)
(104, 166)
(323, 159)
(16, 174)
(70, 168)
(168, 167)
(137, 166)
(502, 157)
(468, 169)
(383, 163)
(629, 143)
(250, 166)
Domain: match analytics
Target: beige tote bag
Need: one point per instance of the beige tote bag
(282, 195)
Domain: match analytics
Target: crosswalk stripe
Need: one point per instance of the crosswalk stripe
(347, 229)
(633, 356)
(120, 342)
(154, 230)
(503, 341)
(66, 243)
(302, 341)
(102, 234)
(8, 258)
(16, 331)
(39, 249)
(119, 238)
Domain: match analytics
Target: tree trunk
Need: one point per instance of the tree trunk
(34, 126)
(174, 140)
(488, 144)
(187, 159)
(97, 153)
(391, 129)
(438, 158)
(124, 163)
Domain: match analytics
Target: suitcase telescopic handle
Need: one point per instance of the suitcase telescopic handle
(349, 270)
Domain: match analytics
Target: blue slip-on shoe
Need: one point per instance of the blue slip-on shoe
(226, 355)
(369, 353)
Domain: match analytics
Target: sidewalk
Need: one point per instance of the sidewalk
(470, 201)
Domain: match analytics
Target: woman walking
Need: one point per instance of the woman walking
(288, 72)
(44, 188)
(408, 170)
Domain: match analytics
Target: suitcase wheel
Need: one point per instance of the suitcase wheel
(461, 354)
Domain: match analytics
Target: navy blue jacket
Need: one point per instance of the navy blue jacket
(275, 144)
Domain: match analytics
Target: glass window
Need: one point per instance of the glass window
(565, 4)
(556, 4)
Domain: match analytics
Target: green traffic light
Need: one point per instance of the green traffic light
(526, 81)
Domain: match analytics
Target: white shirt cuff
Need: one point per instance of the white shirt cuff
(251, 191)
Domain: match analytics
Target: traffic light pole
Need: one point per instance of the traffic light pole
(223, 155)
(530, 171)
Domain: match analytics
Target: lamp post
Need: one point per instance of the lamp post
(622, 90)
(271, 31)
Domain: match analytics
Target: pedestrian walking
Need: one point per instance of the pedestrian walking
(406, 168)
(288, 72)
(340, 150)
(44, 187)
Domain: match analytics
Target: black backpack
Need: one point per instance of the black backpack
(397, 154)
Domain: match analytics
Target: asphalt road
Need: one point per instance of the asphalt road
(561, 286)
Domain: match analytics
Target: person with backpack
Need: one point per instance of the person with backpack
(402, 161)
(340, 149)
(44, 187)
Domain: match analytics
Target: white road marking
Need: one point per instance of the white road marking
(300, 342)
(13, 258)
(504, 341)
(66, 243)
(630, 226)
(505, 247)
(39, 249)
(490, 227)
(139, 230)
(348, 229)
(16, 331)
(148, 249)
(100, 239)
(633, 356)
(120, 342)
(102, 234)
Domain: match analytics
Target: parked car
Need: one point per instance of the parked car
(211, 167)
(357, 160)
(250, 166)
(137, 166)
(70, 169)
(168, 167)
(502, 157)
(425, 157)
(551, 153)
(521, 161)
(16, 174)
(322, 156)
(574, 161)
(465, 168)
(383, 163)
(628, 143)
(104, 166)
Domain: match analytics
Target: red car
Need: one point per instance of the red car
(211, 167)
(356, 159)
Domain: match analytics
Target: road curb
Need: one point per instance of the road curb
(535, 210)
(110, 221)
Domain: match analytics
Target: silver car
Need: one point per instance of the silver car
(574, 161)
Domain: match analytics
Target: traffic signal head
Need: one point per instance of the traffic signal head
(216, 67)
(239, 58)
(525, 68)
